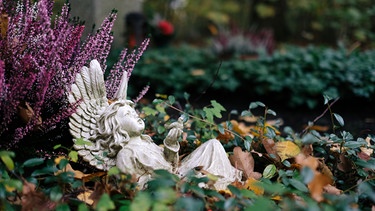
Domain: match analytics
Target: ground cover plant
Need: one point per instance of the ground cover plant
(283, 169)
(298, 74)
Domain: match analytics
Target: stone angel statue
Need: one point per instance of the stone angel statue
(113, 136)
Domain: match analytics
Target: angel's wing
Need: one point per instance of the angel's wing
(90, 94)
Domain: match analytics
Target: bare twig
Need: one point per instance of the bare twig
(320, 116)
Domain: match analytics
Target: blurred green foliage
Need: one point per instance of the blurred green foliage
(292, 20)
(295, 75)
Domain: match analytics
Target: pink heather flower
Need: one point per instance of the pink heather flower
(39, 60)
(141, 94)
(126, 62)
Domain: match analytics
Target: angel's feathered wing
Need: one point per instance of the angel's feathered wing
(90, 94)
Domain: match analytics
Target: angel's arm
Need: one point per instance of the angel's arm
(171, 145)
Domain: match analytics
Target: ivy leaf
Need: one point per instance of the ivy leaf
(214, 111)
(82, 142)
(73, 155)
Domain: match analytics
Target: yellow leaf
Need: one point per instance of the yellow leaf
(197, 72)
(367, 150)
(58, 159)
(253, 185)
(9, 188)
(287, 149)
(85, 197)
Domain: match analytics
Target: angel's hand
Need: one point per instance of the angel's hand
(176, 130)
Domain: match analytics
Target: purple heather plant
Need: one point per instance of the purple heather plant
(39, 60)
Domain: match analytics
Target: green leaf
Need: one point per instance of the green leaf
(57, 146)
(113, 171)
(256, 104)
(7, 161)
(298, 185)
(149, 111)
(370, 164)
(271, 112)
(33, 162)
(246, 113)
(142, 201)
(165, 195)
(339, 119)
(214, 111)
(217, 105)
(105, 203)
(247, 145)
(62, 207)
(221, 128)
(73, 155)
(15, 184)
(171, 99)
(307, 174)
(82, 142)
(189, 204)
(83, 207)
(56, 193)
(269, 171)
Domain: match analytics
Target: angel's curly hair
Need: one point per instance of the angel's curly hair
(109, 133)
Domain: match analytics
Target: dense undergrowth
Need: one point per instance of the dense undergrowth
(298, 74)
(283, 169)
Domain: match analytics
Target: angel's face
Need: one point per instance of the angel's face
(130, 121)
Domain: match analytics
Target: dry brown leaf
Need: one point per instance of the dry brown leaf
(99, 190)
(332, 190)
(198, 72)
(4, 21)
(345, 164)
(269, 146)
(307, 150)
(322, 175)
(85, 197)
(319, 128)
(253, 185)
(26, 113)
(249, 119)
(317, 184)
(243, 161)
(68, 167)
(287, 149)
(237, 127)
(90, 177)
(35, 200)
(308, 161)
(367, 150)
(363, 156)
(226, 137)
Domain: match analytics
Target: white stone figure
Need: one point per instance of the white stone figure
(113, 136)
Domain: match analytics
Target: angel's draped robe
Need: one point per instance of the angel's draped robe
(140, 158)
